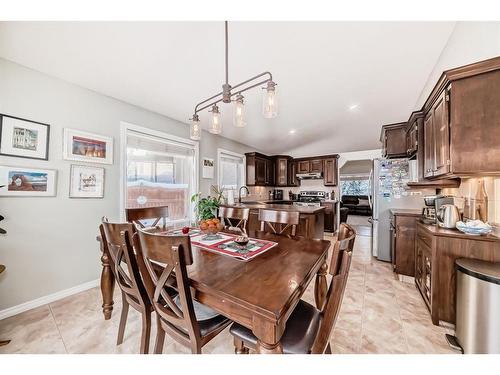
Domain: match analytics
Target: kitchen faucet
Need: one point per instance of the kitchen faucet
(239, 193)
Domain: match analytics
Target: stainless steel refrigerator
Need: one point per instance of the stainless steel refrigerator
(389, 190)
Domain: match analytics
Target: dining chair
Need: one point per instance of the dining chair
(235, 218)
(147, 213)
(125, 268)
(189, 322)
(279, 221)
(308, 329)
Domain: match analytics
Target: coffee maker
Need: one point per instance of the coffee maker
(432, 205)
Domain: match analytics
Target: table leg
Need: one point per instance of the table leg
(264, 348)
(107, 286)
(4, 342)
(320, 286)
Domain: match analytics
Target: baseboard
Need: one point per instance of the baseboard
(14, 310)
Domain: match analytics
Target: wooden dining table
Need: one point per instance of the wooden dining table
(259, 294)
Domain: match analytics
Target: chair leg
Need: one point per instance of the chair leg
(328, 349)
(160, 339)
(123, 320)
(239, 347)
(146, 332)
(195, 348)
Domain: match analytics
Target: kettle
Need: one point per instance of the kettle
(447, 216)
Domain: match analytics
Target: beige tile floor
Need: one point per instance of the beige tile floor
(379, 314)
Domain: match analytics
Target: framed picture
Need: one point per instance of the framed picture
(24, 138)
(27, 182)
(86, 182)
(208, 168)
(87, 147)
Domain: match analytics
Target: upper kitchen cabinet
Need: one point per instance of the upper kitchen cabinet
(282, 170)
(303, 166)
(316, 165)
(413, 124)
(393, 138)
(330, 171)
(259, 170)
(292, 173)
(462, 122)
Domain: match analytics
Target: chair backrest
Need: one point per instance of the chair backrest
(279, 221)
(147, 213)
(339, 269)
(123, 260)
(234, 217)
(172, 254)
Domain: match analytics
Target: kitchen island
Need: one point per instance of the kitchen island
(311, 219)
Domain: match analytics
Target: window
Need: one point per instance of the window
(230, 170)
(160, 170)
(355, 187)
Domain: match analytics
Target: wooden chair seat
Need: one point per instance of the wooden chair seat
(208, 328)
(301, 330)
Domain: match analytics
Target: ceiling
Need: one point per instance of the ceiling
(321, 68)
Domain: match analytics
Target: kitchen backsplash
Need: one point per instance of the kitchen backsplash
(262, 192)
(468, 190)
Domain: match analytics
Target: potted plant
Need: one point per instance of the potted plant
(206, 211)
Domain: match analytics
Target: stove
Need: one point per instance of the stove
(310, 198)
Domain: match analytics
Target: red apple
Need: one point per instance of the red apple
(185, 230)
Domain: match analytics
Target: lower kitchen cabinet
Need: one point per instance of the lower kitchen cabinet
(330, 216)
(436, 251)
(403, 231)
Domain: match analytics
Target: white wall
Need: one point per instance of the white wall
(51, 242)
(469, 42)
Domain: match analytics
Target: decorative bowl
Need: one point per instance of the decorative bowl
(210, 228)
(474, 227)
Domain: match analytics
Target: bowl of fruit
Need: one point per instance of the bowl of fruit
(210, 228)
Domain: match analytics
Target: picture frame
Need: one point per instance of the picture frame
(86, 181)
(208, 168)
(23, 138)
(87, 147)
(27, 182)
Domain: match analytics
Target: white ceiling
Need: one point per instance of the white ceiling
(322, 68)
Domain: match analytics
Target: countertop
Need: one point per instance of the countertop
(436, 230)
(277, 207)
(406, 212)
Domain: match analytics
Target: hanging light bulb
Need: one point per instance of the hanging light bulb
(195, 128)
(216, 124)
(270, 103)
(239, 112)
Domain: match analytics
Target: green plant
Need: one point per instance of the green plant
(206, 208)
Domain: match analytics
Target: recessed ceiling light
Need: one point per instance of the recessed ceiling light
(353, 107)
(292, 131)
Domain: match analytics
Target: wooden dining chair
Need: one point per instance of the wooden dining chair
(188, 322)
(308, 329)
(235, 218)
(147, 213)
(125, 268)
(279, 222)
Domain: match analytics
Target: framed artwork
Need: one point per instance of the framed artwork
(87, 147)
(24, 138)
(27, 182)
(86, 182)
(208, 168)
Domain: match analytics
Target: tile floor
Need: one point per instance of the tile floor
(379, 314)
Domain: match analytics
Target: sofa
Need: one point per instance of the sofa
(357, 204)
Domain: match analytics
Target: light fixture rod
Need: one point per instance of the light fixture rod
(227, 54)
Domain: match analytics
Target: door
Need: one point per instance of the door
(281, 172)
(260, 171)
(269, 172)
(303, 166)
(316, 165)
(428, 145)
(329, 217)
(330, 172)
(404, 245)
(441, 135)
(292, 174)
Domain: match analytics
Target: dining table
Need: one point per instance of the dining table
(259, 294)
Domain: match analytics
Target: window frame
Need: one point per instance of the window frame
(220, 153)
(125, 127)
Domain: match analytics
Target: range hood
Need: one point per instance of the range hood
(310, 176)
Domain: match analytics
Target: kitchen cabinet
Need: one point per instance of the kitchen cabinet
(330, 216)
(270, 168)
(259, 170)
(304, 166)
(292, 173)
(393, 138)
(412, 138)
(436, 251)
(330, 172)
(316, 165)
(403, 231)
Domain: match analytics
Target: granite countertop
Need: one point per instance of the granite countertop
(406, 212)
(277, 207)
(436, 230)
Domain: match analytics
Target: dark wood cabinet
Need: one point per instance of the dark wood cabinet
(393, 138)
(412, 139)
(441, 136)
(428, 145)
(316, 166)
(260, 170)
(330, 215)
(304, 166)
(403, 244)
(330, 172)
(281, 170)
(270, 177)
(292, 173)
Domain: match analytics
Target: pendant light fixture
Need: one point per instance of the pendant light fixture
(234, 94)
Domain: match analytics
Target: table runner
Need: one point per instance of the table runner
(224, 244)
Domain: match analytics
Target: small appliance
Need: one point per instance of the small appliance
(447, 216)
(278, 194)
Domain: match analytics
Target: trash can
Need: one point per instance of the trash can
(477, 327)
